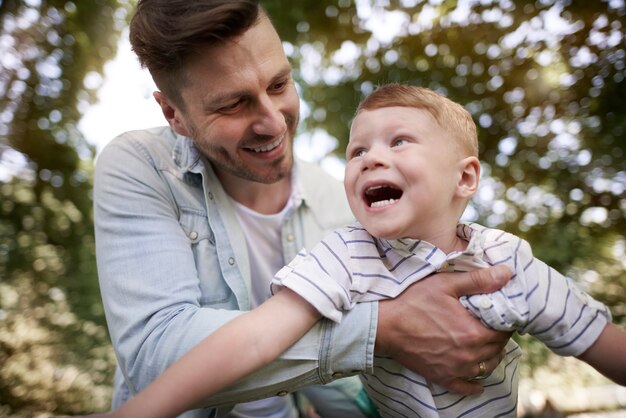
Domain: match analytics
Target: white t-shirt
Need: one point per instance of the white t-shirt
(263, 238)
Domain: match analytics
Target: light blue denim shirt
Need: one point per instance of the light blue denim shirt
(173, 266)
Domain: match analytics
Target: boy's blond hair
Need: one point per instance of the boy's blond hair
(450, 116)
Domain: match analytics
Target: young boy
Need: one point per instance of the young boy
(411, 169)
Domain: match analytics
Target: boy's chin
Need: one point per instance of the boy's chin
(383, 233)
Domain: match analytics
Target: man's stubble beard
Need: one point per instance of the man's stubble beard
(223, 161)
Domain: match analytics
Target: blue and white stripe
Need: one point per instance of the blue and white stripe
(350, 266)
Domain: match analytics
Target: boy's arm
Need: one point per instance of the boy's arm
(235, 350)
(607, 354)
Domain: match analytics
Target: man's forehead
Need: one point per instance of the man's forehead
(255, 58)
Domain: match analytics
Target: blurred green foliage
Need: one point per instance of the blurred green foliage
(545, 82)
(55, 355)
(544, 79)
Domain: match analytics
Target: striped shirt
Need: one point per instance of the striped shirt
(351, 266)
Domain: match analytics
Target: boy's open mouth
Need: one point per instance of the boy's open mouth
(382, 195)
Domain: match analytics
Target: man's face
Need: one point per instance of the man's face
(241, 107)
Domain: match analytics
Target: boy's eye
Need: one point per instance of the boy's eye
(358, 153)
(398, 142)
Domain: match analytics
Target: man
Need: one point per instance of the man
(193, 220)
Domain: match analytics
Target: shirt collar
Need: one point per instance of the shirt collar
(186, 155)
(298, 191)
(467, 231)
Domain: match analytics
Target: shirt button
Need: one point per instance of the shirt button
(282, 393)
(485, 303)
(210, 195)
(444, 266)
(290, 237)
(231, 261)
(193, 235)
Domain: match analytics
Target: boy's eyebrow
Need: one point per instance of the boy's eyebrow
(217, 100)
(350, 145)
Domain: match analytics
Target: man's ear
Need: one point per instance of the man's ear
(172, 114)
(469, 168)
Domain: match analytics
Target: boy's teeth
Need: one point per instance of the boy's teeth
(382, 203)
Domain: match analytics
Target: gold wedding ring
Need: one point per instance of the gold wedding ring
(482, 371)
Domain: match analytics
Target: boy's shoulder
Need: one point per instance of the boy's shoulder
(492, 238)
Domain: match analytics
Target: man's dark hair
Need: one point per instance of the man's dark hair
(166, 33)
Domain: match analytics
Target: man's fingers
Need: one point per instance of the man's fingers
(495, 347)
(482, 281)
(492, 363)
(483, 369)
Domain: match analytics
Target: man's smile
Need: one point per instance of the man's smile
(267, 147)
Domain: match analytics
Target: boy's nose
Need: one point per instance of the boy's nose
(375, 158)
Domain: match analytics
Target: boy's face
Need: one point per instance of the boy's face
(402, 174)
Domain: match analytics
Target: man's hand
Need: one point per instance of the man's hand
(427, 330)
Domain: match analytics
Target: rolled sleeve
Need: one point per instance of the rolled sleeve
(348, 347)
(538, 300)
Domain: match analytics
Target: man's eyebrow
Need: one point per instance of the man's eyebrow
(218, 100)
(285, 72)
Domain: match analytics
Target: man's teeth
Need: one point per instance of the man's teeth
(268, 147)
(382, 203)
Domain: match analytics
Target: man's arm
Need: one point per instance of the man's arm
(428, 331)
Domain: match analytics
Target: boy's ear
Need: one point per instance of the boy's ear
(469, 169)
(172, 114)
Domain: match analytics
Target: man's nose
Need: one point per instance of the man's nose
(270, 120)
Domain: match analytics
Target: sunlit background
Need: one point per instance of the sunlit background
(544, 80)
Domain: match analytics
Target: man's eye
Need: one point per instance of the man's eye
(280, 85)
(232, 106)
